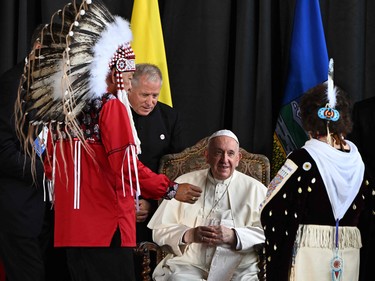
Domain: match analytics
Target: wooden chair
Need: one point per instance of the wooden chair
(191, 159)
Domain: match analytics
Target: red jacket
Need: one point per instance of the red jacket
(90, 203)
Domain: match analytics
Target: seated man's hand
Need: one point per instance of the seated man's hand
(212, 235)
(223, 235)
(188, 193)
(144, 210)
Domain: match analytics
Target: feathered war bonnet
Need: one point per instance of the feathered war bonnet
(78, 47)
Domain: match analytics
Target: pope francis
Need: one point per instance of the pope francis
(214, 238)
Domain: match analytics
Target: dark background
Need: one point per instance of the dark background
(227, 59)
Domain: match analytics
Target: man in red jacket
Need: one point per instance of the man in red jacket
(92, 145)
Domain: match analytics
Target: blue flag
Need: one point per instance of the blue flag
(307, 67)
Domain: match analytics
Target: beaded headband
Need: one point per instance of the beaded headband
(123, 59)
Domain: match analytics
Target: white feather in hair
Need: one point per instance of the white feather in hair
(331, 89)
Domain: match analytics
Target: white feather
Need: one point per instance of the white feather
(58, 85)
(116, 34)
(331, 89)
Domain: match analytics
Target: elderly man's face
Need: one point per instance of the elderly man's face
(223, 156)
(144, 96)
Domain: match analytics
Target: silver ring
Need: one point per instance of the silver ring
(193, 198)
(202, 238)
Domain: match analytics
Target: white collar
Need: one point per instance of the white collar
(342, 173)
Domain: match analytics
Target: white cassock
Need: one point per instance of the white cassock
(234, 203)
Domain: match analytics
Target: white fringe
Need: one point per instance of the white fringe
(322, 236)
(130, 153)
(77, 173)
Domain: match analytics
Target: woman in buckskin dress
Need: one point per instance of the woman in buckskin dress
(320, 205)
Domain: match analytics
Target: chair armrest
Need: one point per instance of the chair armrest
(143, 249)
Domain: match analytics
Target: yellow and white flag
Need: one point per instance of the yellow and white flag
(148, 41)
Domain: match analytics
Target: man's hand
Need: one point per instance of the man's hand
(212, 235)
(144, 210)
(188, 193)
(223, 235)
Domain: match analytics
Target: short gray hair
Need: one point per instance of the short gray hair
(151, 71)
